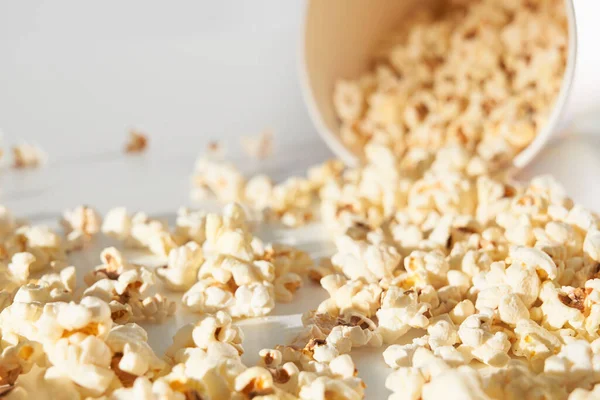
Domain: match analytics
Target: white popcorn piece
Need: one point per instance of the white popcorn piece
(117, 223)
(42, 242)
(574, 366)
(430, 268)
(27, 155)
(259, 147)
(460, 383)
(20, 266)
(400, 311)
(348, 296)
(534, 258)
(129, 343)
(19, 359)
(40, 383)
(461, 311)
(487, 347)
(582, 394)
(256, 380)
(143, 389)
(517, 380)
(562, 307)
(406, 383)
(182, 267)
(397, 355)
(82, 219)
(191, 225)
(86, 363)
(442, 332)
(371, 262)
(321, 387)
(222, 179)
(511, 309)
(285, 286)
(534, 342)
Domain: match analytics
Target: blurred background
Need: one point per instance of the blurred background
(76, 76)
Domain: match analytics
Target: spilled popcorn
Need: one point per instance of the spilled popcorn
(499, 279)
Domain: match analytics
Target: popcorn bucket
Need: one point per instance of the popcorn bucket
(340, 35)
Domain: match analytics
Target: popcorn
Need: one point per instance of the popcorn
(182, 267)
(511, 309)
(560, 308)
(116, 267)
(123, 286)
(41, 383)
(535, 258)
(19, 359)
(285, 286)
(151, 234)
(136, 143)
(43, 243)
(371, 262)
(461, 311)
(429, 268)
(117, 224)
(20, 266)
(191, 225)
(82, 219)
(442, 332)
(574, 366)
(139, 231)
(28, 156)
(322, 387)
(8, 222)
(534, 342)
(460, 383)
(582, 394)
(406, 383)
(346, 296)
(221, 179)
(259, 147)
(434, 241)
(397, 355)
(255, 381)
(400, 311)
(153, 309)
(487, 347)
(135, 357)
(517, 380)
(143, 389)
(86, 363)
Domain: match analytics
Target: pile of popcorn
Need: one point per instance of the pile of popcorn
(482, 73)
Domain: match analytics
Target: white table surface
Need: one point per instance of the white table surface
(75, 76)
